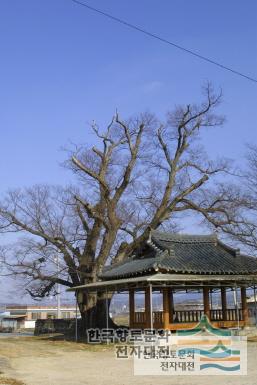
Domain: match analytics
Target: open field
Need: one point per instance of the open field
(36, 361)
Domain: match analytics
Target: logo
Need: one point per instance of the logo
(202, 350)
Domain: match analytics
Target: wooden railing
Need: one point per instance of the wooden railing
(139, 317)
(230, 315)
(157, 317)
(216, 314)
(187, 315)
(183, 316)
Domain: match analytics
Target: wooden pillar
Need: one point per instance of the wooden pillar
(206, 302)
(148, 308)
(171, 305)
(244, 305)
(166, 307)
(224, 303)
(131, 307)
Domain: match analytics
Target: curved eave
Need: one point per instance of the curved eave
(163, 269)
(187, 280)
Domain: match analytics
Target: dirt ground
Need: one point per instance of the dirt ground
(35, 361)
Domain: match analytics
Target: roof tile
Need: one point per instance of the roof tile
(178, 253)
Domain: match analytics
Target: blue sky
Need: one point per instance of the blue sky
(63, 65)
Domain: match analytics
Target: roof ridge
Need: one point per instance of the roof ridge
(235, 251)
(153, 245)
(119, 263)
(184, 238)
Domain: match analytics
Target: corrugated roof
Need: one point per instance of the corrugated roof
(185, 254)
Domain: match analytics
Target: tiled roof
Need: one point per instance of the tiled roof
(185, 254)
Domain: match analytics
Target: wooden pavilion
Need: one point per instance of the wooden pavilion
(170, 263)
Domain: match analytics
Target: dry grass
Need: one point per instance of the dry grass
(44, 347)
(10, 381)
(12, 349)
(42, 361)
(252, 339)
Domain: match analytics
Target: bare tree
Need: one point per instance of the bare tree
(245, 232)
(141, 174)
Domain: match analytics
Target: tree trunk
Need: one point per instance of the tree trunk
(93, 312)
